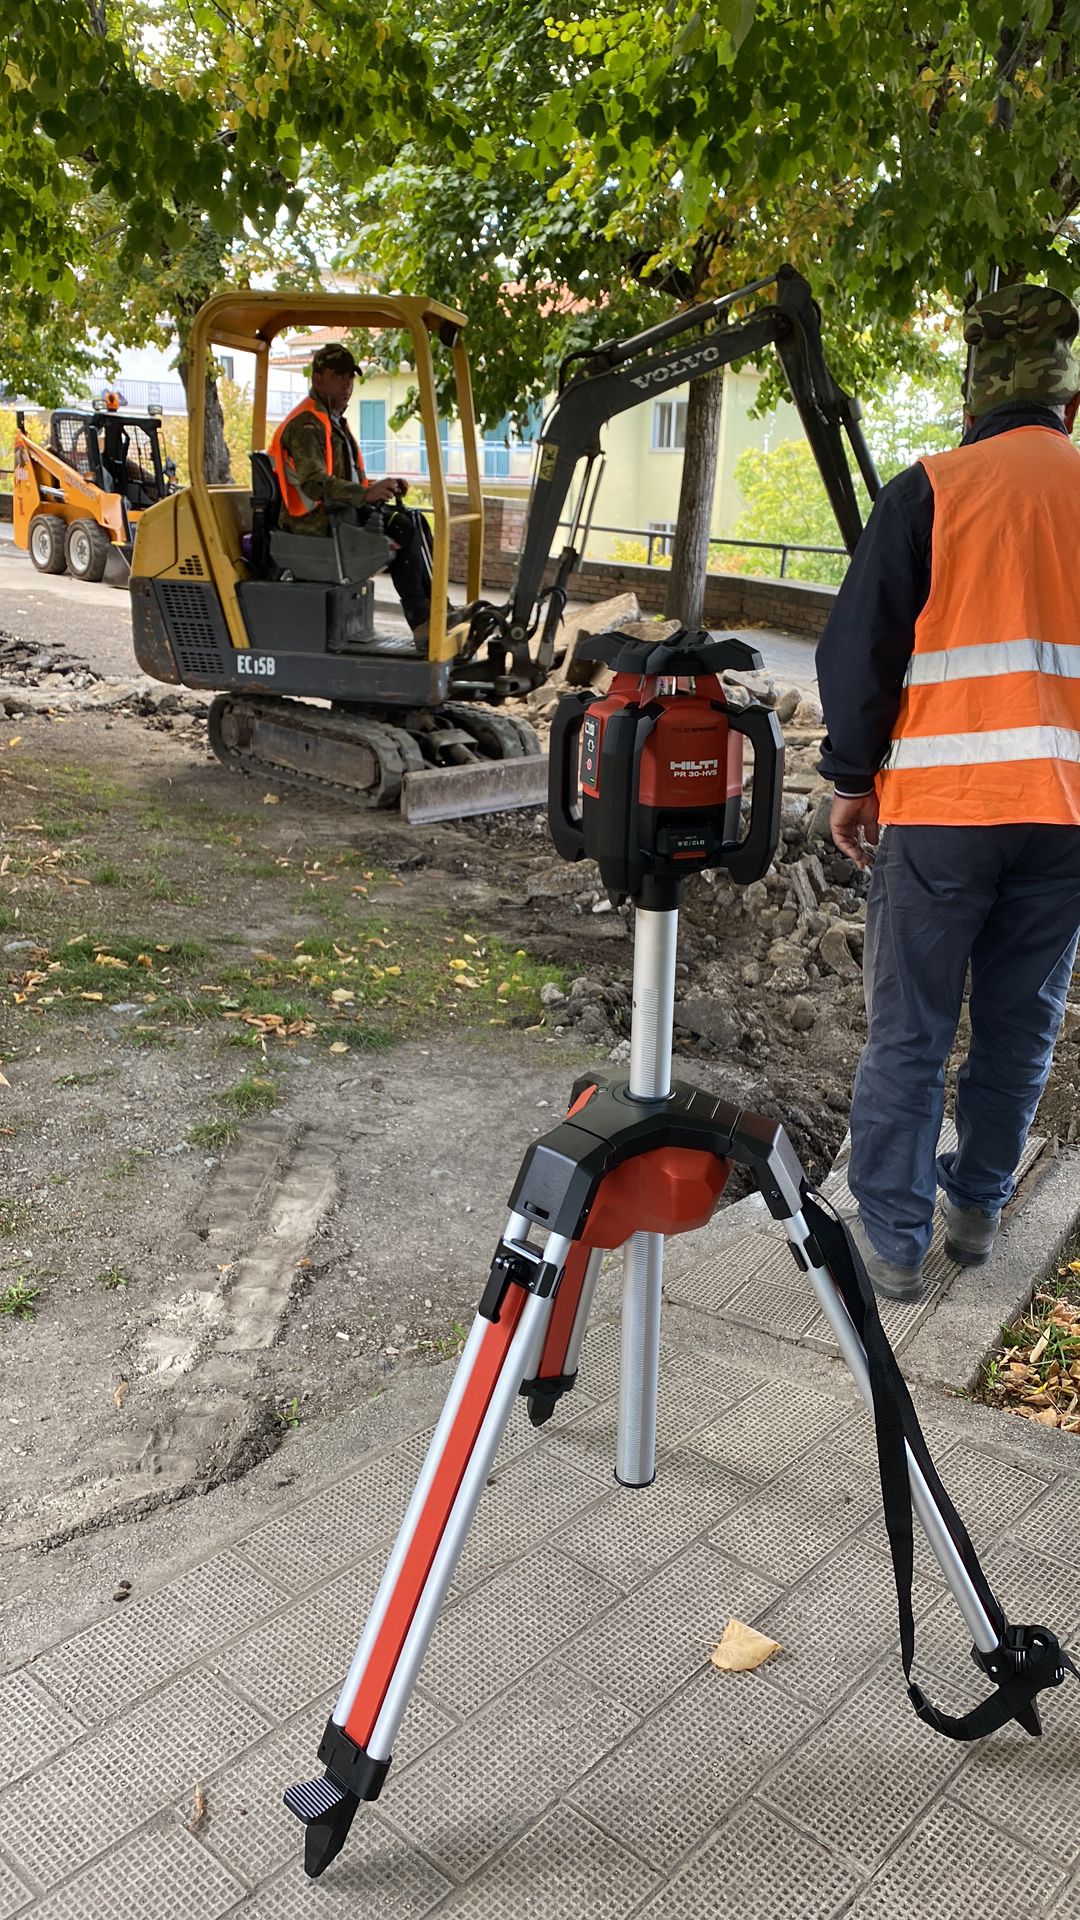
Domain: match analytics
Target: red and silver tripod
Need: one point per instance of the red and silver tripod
(659, 761)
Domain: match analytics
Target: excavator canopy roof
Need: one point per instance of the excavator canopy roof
(250, 321)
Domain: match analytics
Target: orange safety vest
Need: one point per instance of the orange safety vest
(297, 504)
(988, 731)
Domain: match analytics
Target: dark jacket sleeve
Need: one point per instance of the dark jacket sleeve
(863, 653)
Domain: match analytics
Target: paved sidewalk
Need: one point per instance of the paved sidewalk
(571, 1753)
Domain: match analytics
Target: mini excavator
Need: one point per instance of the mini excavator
(282, 626)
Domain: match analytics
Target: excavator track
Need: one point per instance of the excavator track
(319, 750)
(363, 758)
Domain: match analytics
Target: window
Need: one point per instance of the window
(444, 447)
(664, 538)
(372, 435)
(669, 426)
(227, 363)
(497, 450)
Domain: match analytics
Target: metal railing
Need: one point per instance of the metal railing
(664, 542)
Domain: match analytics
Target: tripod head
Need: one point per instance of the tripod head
(660, 763)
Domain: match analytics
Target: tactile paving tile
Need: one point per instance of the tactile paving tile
(116, 1661)
(711, 1281)
(834, 1627)
(664, 1631)
(989, 1494)
(564, 1866)
(304, 1546)
(379, 1876)
(1069, 1903)
(13, 1895)
(478, 1789)
(95, 1793)
(1029, 1586)
(287, 1661)
(748, 1441)
(531, 1496)
(598, 1366)
(663, 1789)
(799, 1519)
(953, 1864)
(1012, 1783)
(775, 1869)
(163, 1872)
(32, 1726)
(1053, 1523)
(247, 1824)
(867, 1771)
(693, 1392)
(498, 1632)
(636, 1529)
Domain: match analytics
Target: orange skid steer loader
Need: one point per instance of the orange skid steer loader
(78, 499)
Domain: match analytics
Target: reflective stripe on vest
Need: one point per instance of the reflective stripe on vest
(988, 730)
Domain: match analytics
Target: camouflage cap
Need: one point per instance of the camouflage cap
(1020, 338)
(334, 358)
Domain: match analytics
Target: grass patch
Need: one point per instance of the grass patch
(287, 1413)
(61, 829)
(214, 1134)
(1035, 1369)
(155, 819)
(8, 918)
(19, 1300)
(112, 1280)
(143, 1038)
(108, 876)
(127, 1164)
(250, 1096)
(86, 1079)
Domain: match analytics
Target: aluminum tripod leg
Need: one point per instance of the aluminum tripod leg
(356, 1747)
(655, 940)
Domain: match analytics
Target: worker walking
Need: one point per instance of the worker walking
(950, 680)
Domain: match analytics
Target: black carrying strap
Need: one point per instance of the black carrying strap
(1027, 1658)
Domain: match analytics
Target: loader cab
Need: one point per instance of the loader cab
(223, 596)
(118, 452)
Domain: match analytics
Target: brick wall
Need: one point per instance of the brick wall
(731, 599)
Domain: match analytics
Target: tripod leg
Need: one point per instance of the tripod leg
(503, 1346)
(940, 1540)
(557, 1369)
(639, 1374)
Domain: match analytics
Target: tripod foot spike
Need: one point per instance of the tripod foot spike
(327, 1810)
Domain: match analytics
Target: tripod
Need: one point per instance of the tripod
(635, 1160)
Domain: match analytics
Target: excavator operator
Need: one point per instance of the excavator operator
(317, 461)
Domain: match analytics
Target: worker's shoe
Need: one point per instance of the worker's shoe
(888, 1279)
(422, 632)
(969, 1234)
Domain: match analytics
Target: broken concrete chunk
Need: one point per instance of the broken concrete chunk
(835, 953)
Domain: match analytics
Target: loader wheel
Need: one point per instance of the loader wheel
(86, 549)
(46, 543)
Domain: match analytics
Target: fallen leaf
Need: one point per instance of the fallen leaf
(1038, 1349)
(742, 1649)
(338, 1046)
(271, 799)
(118, 1396)
(199, 1814)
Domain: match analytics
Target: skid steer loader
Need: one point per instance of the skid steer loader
(78, 499)
(282, 625)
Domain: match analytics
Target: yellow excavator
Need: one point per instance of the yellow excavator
(281, 626)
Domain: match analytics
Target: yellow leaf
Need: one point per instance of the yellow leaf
(91, 996)
(108, 960)
(118, 1396)
(271, 799)
(742, 1649)
(394, 970)
(460, 966)
(338, 1046)
(143, 960)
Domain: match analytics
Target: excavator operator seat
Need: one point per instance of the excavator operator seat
(347, 554)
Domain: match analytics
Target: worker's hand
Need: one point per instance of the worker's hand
(854, 827)
(382, 491)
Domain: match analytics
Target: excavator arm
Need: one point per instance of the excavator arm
(621, 374)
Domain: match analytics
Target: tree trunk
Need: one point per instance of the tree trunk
(216, 466)
(685, 600)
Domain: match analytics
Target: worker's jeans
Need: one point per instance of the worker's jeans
(1007, 901)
